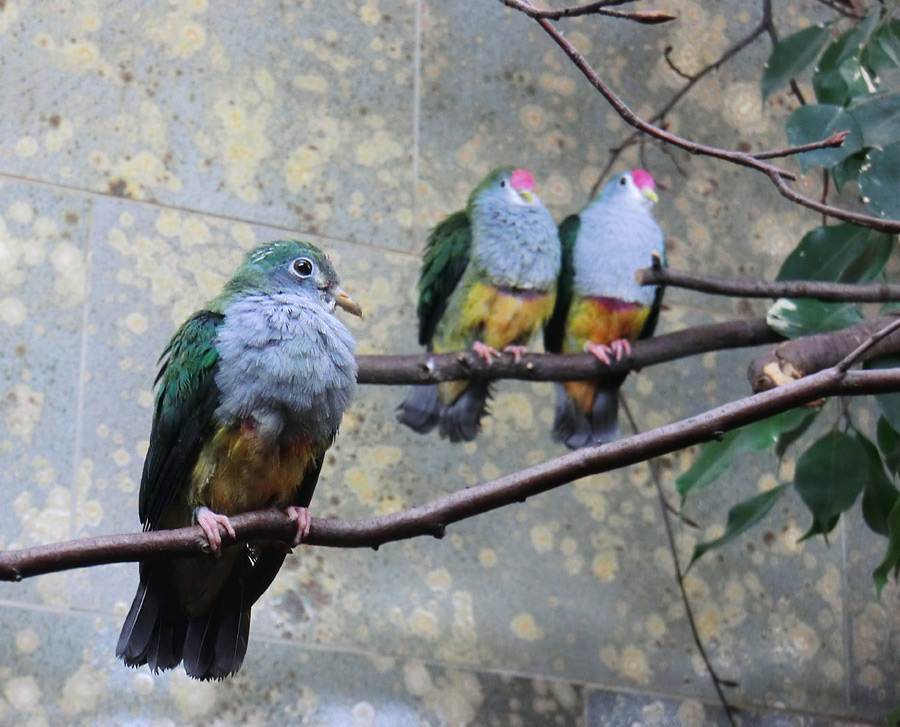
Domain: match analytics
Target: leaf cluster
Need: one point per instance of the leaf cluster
(856, 79)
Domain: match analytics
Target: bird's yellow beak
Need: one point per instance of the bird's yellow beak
(343, 300)
(650, 194)
(527, 196)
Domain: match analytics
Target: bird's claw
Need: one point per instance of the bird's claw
(618, 349)
(484, 351)
(601, 351)
(210, 522)
(304, 520)
(516, 351)
(621, 347)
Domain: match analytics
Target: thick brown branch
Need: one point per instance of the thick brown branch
(432, 518)
(433, 368)
(831, 292)
(801, 357)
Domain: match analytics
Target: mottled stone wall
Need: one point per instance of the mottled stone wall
(145, 145)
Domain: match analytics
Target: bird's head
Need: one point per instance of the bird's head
(291, 265)
(635, 188)
(506, 185)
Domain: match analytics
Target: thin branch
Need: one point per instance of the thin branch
(660, 115)
(433, 518)
(892, 227)
(866, 346)
(665, 508)
(595, 8)
(843, 8)
(431, 368)
(736, 157)
(830, 292)
(836, 139)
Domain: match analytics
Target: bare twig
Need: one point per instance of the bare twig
(890, 226)
(432, 368)
(665, 508)
(595, 8)
(831, 292)
(836, 139)
(433, 518)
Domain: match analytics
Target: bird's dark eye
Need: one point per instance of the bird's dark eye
(303, 267)
(623, 181)
(502, 182)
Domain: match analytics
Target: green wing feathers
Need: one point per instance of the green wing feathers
(554, 330)
(185, 402)
(446, 257)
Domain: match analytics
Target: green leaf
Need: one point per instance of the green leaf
(883, 50)
(795, 318)
(891, 560)
(790, 56)
(879, 495)
(717, 456)
(792, 431)
(828, 480)
(888, 444)
(889, 404)
(740, 518)
(848, 170)
(843, 253)
(879, 181)
(878, 116)
(841, 62)
(812, 123)
(893, 718)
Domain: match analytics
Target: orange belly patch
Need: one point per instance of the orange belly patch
(237, 471)
(498, 317)
(603, 320)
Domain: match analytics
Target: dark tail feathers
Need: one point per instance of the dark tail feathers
(157, 632)
(422, 411)
(577, 429)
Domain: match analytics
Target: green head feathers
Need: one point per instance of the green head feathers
(283, 266)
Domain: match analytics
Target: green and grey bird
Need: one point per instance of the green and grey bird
(600, 307)
(488, 281)
(251, 391)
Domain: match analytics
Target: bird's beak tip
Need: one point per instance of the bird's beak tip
(527, 196)
(343, 300)
(650, 194)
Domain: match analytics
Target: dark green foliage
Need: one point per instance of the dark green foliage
(813, 123)
(829, 478)
(717, 456)
(791, 57)
(741, 517)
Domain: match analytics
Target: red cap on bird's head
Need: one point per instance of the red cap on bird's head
(521, 180)
(642, 179)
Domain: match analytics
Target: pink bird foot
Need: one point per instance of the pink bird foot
(486, 352)
(621, 347)
(517, 352)
(617, 349)
(210, 522)
(304, 520)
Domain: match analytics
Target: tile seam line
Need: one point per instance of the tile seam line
(82, 371)
(587, 686)
(94, 194)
